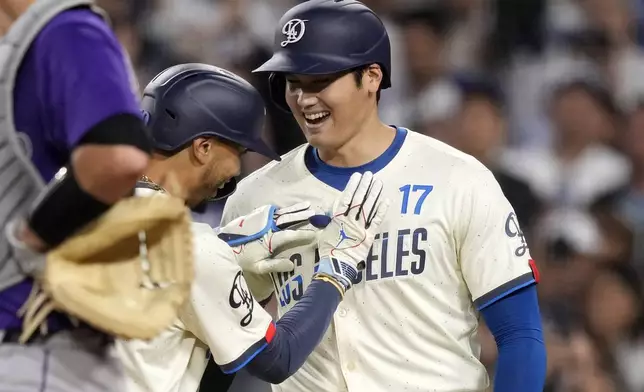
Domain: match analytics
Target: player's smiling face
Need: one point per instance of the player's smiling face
(217, 161)
(330, 108)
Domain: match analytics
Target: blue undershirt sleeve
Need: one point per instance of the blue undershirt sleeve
(515, 322)
(298, 332)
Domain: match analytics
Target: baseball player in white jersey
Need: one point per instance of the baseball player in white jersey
(202, 141)
(450, 248)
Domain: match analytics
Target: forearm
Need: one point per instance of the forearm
(299, 331)
(516, 325)
(521, 366)
(105, 166)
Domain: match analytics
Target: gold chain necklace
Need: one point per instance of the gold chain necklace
(153, 185)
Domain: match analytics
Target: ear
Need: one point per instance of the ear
(374, 76)
(202, 149)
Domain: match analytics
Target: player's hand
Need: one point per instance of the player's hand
(256, 237)
(356, 217)
(263, 220)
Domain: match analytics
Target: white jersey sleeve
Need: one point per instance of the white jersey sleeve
(261, 286)
(493, 253)
(222, 312)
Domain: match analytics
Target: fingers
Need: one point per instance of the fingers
(361, 194)
(344, 202)
(380, 212)
(291, 239)
(275, 265)
(291, 219)
(305, 205)
(292, 215)
(368, 208)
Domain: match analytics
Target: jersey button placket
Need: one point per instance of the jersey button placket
(346, 348)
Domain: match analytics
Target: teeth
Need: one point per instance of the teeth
(315, 116)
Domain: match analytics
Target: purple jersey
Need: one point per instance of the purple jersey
(73, 77)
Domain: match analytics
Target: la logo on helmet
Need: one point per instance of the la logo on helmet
(294, 31)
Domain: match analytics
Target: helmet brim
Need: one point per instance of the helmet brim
(260, 147)
(307, 64)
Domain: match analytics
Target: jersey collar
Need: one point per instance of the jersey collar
(337, 177)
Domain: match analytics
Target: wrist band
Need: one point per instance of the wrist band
(332, 280)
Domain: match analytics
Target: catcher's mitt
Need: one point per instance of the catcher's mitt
(127, 273)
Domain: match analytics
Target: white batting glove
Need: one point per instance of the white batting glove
(355, 220)
(256, 237)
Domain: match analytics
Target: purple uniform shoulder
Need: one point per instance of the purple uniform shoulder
(73, 77)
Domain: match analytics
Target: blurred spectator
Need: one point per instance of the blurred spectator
(585, 369)
(481, 131)
(625, 60)
(626, 205)
(568, 247)
(438, 107)
(424, 36)
(392, 103)
(470, 25)
(579, 166)
(613, 307)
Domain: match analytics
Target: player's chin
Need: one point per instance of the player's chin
(318, 138)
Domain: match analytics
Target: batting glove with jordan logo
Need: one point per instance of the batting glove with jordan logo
(345, 242)
(256, 237)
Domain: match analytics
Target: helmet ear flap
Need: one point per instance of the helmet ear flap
(277, 89)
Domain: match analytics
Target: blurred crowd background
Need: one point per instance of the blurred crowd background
(549, 94)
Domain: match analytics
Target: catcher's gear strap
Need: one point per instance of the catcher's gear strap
(299, 331)
(121, 129)
(21, 181)
(63, 208)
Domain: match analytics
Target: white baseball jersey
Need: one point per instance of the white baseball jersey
(449, 246)
(221, 317)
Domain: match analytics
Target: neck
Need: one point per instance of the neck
(158, 170)
(373, 139)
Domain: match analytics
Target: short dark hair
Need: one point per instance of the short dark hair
(359, 72)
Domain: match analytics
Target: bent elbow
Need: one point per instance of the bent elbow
(269, 368)
(273, 376)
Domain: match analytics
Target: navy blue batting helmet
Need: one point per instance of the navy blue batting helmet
(320, 37)
(188, 101)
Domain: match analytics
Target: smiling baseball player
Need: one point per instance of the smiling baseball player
(202, 118)
(449, 250)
